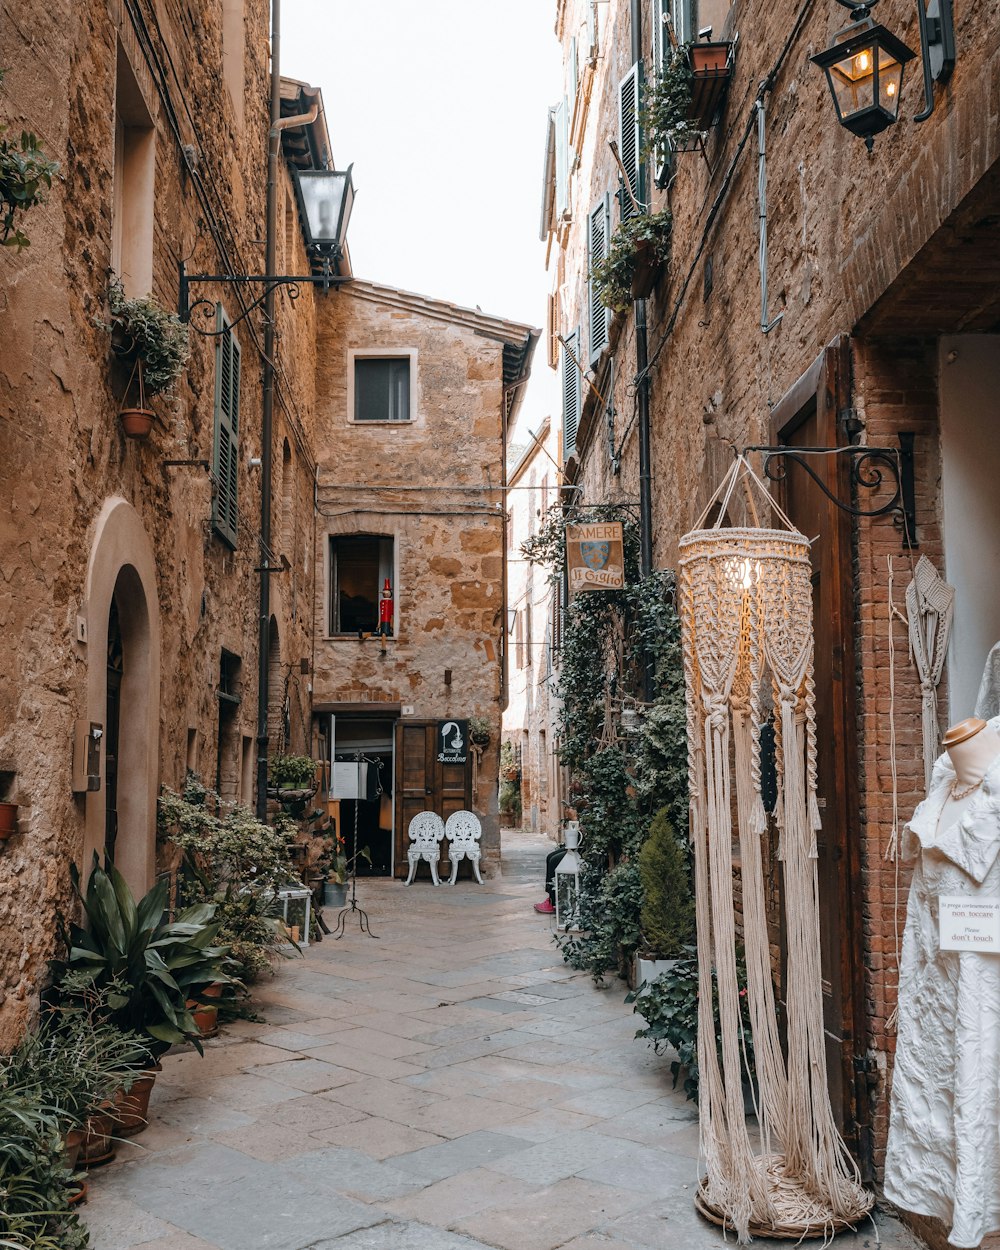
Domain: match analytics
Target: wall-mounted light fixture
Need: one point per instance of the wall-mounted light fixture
(864, 65)
(326, 197)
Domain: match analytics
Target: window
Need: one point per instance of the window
(359, 566)
(570, 392)
(666, 15)
(382, 388)
(225, 460)
(598, 240)
(134, 184)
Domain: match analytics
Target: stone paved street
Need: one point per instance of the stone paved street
(451, 1086)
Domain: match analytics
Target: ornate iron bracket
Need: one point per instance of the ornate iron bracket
(869, 468)
(206, 307)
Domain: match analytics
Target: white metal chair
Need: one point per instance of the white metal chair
(463, 832)
(425, 832)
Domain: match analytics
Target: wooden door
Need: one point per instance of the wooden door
(814, 423)
(424, 784)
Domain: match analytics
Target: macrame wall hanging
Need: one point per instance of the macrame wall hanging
(930, 602)
(746, 615)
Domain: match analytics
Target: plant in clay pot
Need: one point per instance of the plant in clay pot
(479, 731)
(156, 964)
(154, 342)
(639, 249)
(292, 772)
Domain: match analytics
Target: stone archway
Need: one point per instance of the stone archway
(122, 608)
(275, 692)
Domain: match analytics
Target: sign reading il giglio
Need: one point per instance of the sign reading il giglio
(595, 556)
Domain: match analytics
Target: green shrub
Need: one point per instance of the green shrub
(26, 175)
(145, 330)
(35, 1183)
(668, 897)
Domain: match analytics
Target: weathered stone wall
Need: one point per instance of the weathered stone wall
(433, 485)
(63, 455)
(844, 229)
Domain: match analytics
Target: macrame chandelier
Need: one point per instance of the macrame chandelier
(745, 598)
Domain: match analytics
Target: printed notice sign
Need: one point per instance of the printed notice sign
(969, 924)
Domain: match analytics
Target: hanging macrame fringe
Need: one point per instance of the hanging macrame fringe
(745, 597)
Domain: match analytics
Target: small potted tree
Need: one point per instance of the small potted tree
(667, 919)
(154, 343)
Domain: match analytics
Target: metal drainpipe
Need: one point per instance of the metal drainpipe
(641, 363)
(270, 256)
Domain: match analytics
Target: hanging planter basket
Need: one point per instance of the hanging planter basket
(137, 422)
(712, 69)
(648, 267)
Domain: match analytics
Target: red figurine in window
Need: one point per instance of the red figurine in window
(385, 611)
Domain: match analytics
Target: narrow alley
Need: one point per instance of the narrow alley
(450, 1086)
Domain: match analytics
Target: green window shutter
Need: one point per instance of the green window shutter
(562, 159)
(570, 393)
(598, 241)
(630, 138)
(662, 52)
(225, 459)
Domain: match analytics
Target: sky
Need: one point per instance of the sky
(442, 107)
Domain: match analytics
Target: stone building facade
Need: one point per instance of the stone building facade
(530, 721)
(881, 319)
(414, 396)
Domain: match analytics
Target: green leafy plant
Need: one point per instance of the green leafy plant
(610, 904)
(234, 862)
(75, 1058)
(26, 175)
(509, 798)
(666, 105)
(144, 332)
(35, 1183)
(643, 237)
(669, 1005)
(156, 964)
(292, 772)
(480, 731)
(667, 890)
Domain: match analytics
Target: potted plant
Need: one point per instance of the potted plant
(292, 773)
(667, 918)
(711, 70)
(666, 107)
(154, 342)
(26, 175)
(157, 963)
(480, 732)
(639, 249)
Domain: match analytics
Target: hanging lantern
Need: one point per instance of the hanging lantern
(864, 67)
(745, 597)
(630, 717)
(567, 878)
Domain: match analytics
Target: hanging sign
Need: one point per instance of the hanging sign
(969, 924)
(595, 556)
(453, 741)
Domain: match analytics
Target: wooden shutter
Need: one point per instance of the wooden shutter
(598, 242)
(574, 70)
(225, 463)
(562, 159)
(591, 8)
(630, 138)
(570, 393)
(662, 52)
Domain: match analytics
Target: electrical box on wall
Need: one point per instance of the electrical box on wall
(86, 756)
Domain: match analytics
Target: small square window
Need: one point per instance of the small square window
(382, 388)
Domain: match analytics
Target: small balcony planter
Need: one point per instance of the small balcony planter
(711, 70)
(647, 267)
(8, 820)
(640, 248)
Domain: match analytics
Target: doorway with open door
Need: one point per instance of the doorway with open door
(361, 789)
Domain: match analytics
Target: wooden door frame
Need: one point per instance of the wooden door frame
(433, 767)
(826, 388)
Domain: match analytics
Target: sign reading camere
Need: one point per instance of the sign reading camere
(595, 556)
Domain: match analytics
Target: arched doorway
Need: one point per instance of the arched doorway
(123, 694)
(276, 718)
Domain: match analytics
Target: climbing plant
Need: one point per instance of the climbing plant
(26, 175)
(611, 641)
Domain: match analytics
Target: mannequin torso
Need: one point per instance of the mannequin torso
(970, 757)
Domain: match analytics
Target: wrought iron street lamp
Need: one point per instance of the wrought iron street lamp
(326, 197)
(864, 67)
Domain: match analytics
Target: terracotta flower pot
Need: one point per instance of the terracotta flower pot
(77, 1192)
(98, 1143)
(132, 1108)
(707, 58)
(646, 270)
(206, 1016)
(72, 1147)
(8, 820)
(136, 422)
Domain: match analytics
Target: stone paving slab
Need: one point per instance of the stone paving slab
(451, 1086)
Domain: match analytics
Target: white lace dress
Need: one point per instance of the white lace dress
(943, 1156)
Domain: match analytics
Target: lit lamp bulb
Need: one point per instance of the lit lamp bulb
(890, 89)
(862, 63)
